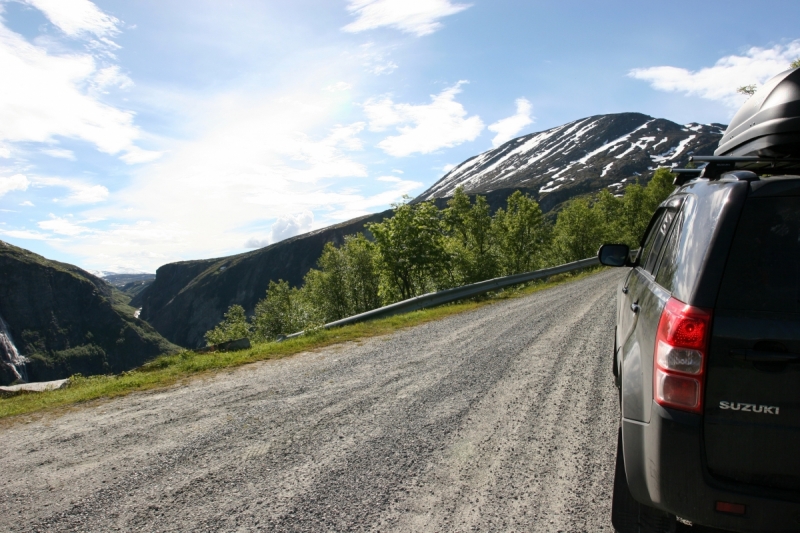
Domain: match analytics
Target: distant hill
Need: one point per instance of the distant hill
(121, 280)
(65, 320)
(605, 151)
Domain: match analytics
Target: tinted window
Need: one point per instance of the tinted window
(650, 238)
(668, 267)
(655, 240)
(763, 268)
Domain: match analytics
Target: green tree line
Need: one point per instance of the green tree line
(422, 249)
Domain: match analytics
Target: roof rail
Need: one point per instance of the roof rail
(716, 166)
(685, 174)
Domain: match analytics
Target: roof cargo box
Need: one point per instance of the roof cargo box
(768, 124)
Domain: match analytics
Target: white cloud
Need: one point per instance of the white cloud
(338, 87)
(88, 195)
(447, 168)
(46, 95)
(25, 234)
(382, 67)
(27, 203)
(62, 226)
(109, 77)
(286, 226)
(136, 155)
(423, 128)
(60, 153)
(720, 82)
(419, 17)
(5, 152)
(17, 182)
(77, 17)
(289, 226)
(375, 60)
(508, 127)
(80, 191)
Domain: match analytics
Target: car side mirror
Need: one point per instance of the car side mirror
(614, 255)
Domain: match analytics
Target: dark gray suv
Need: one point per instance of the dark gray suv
(707, 344)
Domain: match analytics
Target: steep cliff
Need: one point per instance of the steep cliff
(66, 321)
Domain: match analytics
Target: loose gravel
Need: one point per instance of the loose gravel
(499, 419)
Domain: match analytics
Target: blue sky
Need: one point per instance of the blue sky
(133, 134)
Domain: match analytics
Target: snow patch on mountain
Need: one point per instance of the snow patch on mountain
(594, 152)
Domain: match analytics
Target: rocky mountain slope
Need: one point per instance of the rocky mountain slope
(579, 157)
(190, 297)
(65, 321)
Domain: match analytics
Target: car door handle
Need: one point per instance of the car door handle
(758, 356)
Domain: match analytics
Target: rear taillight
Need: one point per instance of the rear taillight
(680, 356)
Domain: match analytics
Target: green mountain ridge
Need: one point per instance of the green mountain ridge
(65, 320)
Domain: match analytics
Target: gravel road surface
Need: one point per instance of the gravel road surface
(500, 419)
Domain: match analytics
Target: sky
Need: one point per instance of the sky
(134, 134)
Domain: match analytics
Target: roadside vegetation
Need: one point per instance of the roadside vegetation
(421, 249)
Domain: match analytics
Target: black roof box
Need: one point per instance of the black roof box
(768, 124)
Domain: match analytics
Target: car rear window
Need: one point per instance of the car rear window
(763, 269)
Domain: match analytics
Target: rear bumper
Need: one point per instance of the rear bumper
(664, 467)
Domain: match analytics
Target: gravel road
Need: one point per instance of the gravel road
(500, 419)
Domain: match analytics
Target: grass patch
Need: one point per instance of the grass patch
(168, 370)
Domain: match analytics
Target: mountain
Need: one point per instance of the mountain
(190, 297)
(65, 320)
(582, 156)
(119, 280)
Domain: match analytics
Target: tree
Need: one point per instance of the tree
(611, 209)
(411, 250)
(626, 218)
(347, 282)
(471, 243)
(281, 312)
(234, 326)
(363, 277)
(795, 63)
(579, 231)
(521, 233)
(326, 288)
(658, 189)
(747, 90)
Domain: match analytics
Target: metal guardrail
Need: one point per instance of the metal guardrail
(433, 299)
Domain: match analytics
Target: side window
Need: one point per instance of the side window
(668, 266)
(657, 236)
(650, 237)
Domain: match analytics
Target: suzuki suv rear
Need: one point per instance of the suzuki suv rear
(707, 345)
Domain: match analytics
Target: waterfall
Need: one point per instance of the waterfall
(9, 356)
